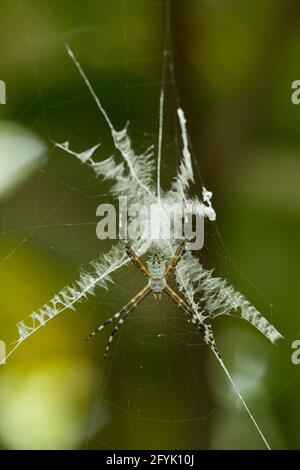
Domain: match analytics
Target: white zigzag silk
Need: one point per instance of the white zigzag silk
(134, 177)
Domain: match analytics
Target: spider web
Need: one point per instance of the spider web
(159, 369)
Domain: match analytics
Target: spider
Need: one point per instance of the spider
(157, 270)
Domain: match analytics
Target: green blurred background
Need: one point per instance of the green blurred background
(234, 62)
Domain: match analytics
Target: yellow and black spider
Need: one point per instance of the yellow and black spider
(157, 270)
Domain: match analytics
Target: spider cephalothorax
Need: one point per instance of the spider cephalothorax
(157, 269)
(156, 265)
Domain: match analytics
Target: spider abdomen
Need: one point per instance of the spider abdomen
(157, 284)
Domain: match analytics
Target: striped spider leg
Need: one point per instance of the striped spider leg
(175, 259)
(137, 261)
(127, 309)
(184, 306)
(157, 270)
(202, 327)
(123, 313)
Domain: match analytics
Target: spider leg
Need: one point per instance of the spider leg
(175, 259)
(202, 327)
(104, 324)
(182, 304)
(124, 310)
(115, 331)
(127, 309)
(137, 261)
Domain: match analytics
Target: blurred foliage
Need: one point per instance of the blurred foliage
(234, 63)
(21, 154)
